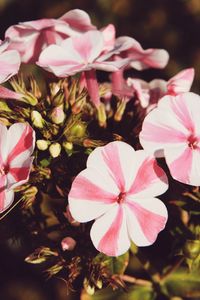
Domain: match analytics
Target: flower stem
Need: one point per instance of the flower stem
(92, 87)
(12, 207)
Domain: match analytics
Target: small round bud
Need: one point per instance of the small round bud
(58, 115)
(68, 243)
(42, 145)
(55, 150)
(37, 119)
(68, 146)
(77, 131)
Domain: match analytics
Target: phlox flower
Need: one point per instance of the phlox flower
(85, 53)
(10, 63)
(31, 37)
(139, 59)
(149, 93)
(16, 146)
(118, 190)
(172, 130)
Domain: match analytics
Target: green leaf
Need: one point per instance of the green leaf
(116, 265)
(182, 284)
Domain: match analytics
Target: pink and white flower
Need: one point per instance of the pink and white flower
(149, 93)
(172, 130)
(85, 53)
(10, 63)
(9, 60)
(16, 146)
(30, 38)
(118, 190)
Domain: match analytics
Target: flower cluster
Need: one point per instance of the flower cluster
(86, 132)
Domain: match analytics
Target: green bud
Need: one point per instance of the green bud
(101, 115)
(55, 150)
(68, 146)
(42, 145)
(120, 111)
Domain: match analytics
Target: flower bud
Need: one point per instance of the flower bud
(42, 145)
(37, 119)
(77, 131)
(58, 115)
(55, 150)
(68, 146)
(68, 243)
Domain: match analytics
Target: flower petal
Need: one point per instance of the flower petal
(116, 160)
(109, 232)
(91, 195)
(164, 126)
(3, 144)
(181, 82)
(21, 142)
(10, 62)
(184, 164)
(150, 179)
(78, 19)
(145, 219)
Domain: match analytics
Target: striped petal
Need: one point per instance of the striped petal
(181, 83)
(10, 62)
(78, 19)
(3, 144)
(184, 164)
(116, 160)
(91, 195)
(145, 219)
(150, 179)
(165, 126)
(109, 232)
(21, 142)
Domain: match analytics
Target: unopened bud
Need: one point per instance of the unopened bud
(101, 115)
(68, 146)
(120, 111)
(29, 196)
(55, 150)
(78, 130)
(42, 145)
(37, 119)
(99, 284)
(68, 243)
(58, 115)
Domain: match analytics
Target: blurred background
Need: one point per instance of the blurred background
(170, 24)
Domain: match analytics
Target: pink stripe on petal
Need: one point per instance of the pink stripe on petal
(83, 46)
(180, 108)
(148, 173)
(181, 167)
(84, 189)
(158, 134)
(150, 222)
(109, 243)
(24, 143)
(20, 173)
(111, 158)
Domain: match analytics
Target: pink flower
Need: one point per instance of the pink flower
(172, 130)
(16, 146)
(149, 93)
(140, 59)
(9, 60)
(30, 38)
(83, 53)
(117, 190)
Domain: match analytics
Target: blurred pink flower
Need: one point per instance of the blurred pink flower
(16, 146)
(172, 130)
(148, 93)
(118, 190)
(31, 37)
